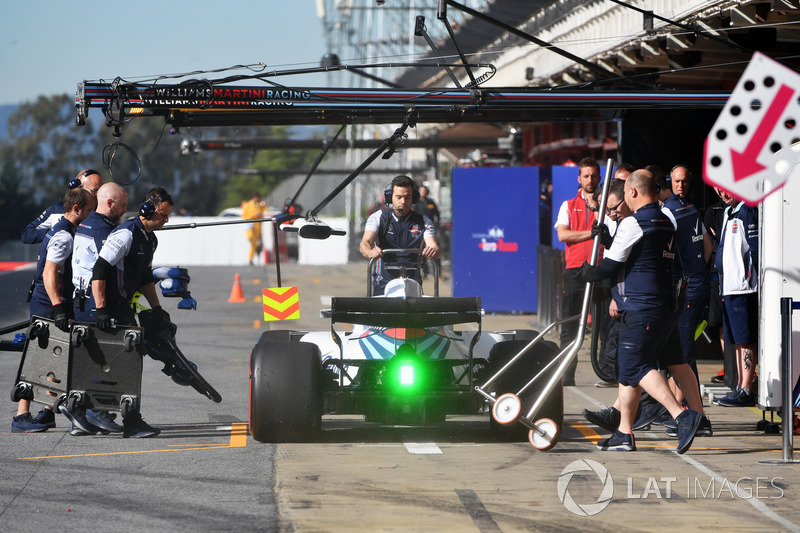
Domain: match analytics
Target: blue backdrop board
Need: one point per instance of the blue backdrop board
(495, 234)
(565, 186)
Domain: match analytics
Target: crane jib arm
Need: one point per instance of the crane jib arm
(205, 104)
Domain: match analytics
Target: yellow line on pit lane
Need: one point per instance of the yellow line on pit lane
(238, 440)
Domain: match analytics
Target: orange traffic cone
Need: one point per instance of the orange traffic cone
(236, 292)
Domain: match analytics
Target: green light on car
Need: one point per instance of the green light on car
(406, 375)
(405, 372)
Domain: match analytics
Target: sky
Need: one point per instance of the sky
(48, 46)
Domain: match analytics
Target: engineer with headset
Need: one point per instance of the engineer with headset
(398, 228)
(124, 266)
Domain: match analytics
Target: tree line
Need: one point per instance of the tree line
(44, 150)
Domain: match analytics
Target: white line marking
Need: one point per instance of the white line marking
(755, 502)
(422, 448)
(585, 397)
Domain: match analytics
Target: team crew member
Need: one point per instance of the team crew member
(641, 257)
(125, 266)
(616, 210)
(399, 228)
(694, 250)
(737, 263)
(427, 207)
(34, 232)
(574, 227)
(681, 180)
(112, 202)
(671, 352)
(52, 291)
(251, 210)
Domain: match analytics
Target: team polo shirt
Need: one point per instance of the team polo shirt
(689, 232)
(396, 232)
(36, 230)
(56, 247)
(89, 239)
(130, 248)
(642, 258)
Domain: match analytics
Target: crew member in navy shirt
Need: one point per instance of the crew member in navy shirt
(641, 260)
(124, 266)
(52, 290)
(398, 228)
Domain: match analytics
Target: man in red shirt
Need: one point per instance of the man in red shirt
(574, 227)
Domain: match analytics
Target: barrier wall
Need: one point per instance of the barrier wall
(211, 246)
(331, 251)
(228, 245)
(495, 235)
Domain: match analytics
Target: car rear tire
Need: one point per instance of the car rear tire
(285, 391)
(518, 375)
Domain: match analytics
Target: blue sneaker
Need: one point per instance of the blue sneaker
(688, 422)
(103, 420)
(46, 417)
(136, 428)
(25, 423)
(618, 442)
(647, 414)
(744, 398)
(77, 432)
(182, 375)
(729, 397)
(607, 418)
(78, 420)
(703, 431)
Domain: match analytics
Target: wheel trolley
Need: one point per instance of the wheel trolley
(507, 409)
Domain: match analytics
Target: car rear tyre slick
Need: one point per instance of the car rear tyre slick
(285, 392)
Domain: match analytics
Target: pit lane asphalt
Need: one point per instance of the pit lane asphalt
(204, 473)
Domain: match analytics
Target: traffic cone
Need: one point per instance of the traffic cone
(236, 292)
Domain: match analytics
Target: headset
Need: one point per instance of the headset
(77, 181)
(398, 180)
(688, 171)
(148, 208)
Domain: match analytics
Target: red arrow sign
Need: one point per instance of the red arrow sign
(745, 163)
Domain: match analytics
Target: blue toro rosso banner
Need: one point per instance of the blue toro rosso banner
(565, 187)
(495, 235)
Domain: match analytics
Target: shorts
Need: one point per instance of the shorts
(740, 318)
(671, 352)
(639, 345)
(693, 312)
(714, 304)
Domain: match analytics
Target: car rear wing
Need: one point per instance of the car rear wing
(406, 312)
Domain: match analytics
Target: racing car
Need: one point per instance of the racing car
(403, 362)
